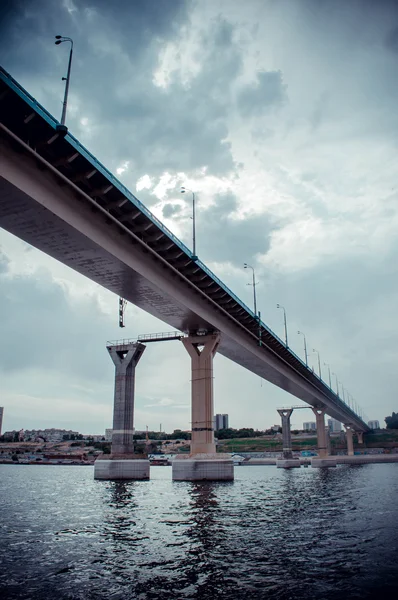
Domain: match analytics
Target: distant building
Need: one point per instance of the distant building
(334, 426)
(93, 437)
(310, 425)
(108, 435)
(1, 417)
(372, 424)
(49, 435)
(275, 428)
(221, 422)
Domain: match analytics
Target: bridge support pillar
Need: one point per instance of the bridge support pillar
(122, 463)
(203, 463)
(350, 442)
(323, 459)
(328, 441)
(360, 437)
(287, 462)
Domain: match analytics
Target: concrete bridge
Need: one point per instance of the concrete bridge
(55, 195)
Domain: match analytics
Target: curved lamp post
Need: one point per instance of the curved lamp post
(183, 190)
(343, 392)
(284, 320)
(59, 39)
(319, 362)
(337, 385)
(305, 347)
(330, 379)
(246, 266)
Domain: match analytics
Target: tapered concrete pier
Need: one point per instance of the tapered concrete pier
(122, 463)
(287, 462)
(350, 443)
(360, 437)
(323, 459)
(203, 463)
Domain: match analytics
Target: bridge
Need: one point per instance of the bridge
(56, 196)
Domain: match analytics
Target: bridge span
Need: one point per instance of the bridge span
(58, 197)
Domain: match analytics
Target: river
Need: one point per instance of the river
(299, 534)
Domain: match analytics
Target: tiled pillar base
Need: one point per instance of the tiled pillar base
(203, 467)
(116, 469)
(288, 463)
(323, 462)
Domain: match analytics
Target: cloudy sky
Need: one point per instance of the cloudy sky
(282, 116)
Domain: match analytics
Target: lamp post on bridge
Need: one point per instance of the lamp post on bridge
(342, 389)
(285, 321)
(330, 379)
(59, 39)
(246, 266)
(305, 347)
(337, 384)
(183, 190)
(319, 362)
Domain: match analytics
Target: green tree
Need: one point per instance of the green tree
(392, 422)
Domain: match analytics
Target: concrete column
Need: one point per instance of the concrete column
(323, 459)
(202, 350)
(203, 462)
(125, 359)
(350, 443)
(286, 433)
(360, 437)
(320, 431)
(287, 462)
(122, 463)
(328, 441)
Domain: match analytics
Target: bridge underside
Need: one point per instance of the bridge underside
(46, 211)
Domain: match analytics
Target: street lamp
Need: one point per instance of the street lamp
(284, 320)
(330, 379)
(337, 384)
(59, 39)
(246, 266)
(183, 190)
(305, 347)
(342, 389)
(319, 362)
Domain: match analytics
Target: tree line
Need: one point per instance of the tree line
(392, 421)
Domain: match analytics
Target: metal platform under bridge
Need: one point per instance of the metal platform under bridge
(146, 338)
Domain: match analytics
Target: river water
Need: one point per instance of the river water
(300, 534)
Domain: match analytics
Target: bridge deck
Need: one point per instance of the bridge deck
(165, 280)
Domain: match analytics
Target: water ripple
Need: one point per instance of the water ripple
(302, 534)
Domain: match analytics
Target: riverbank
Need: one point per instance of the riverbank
(360, 459)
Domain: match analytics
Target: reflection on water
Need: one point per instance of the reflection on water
(306, 534)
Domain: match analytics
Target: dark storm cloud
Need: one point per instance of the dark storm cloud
(170, 210)
(178, 128)
(348, 321)
(268, 91)
(223, 239)
(45, 330)
(116, 54)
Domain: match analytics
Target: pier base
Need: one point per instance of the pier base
(203, 467)
(329, 461)
(288, 463)
(121, 468)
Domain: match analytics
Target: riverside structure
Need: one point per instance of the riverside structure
(56, 196)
